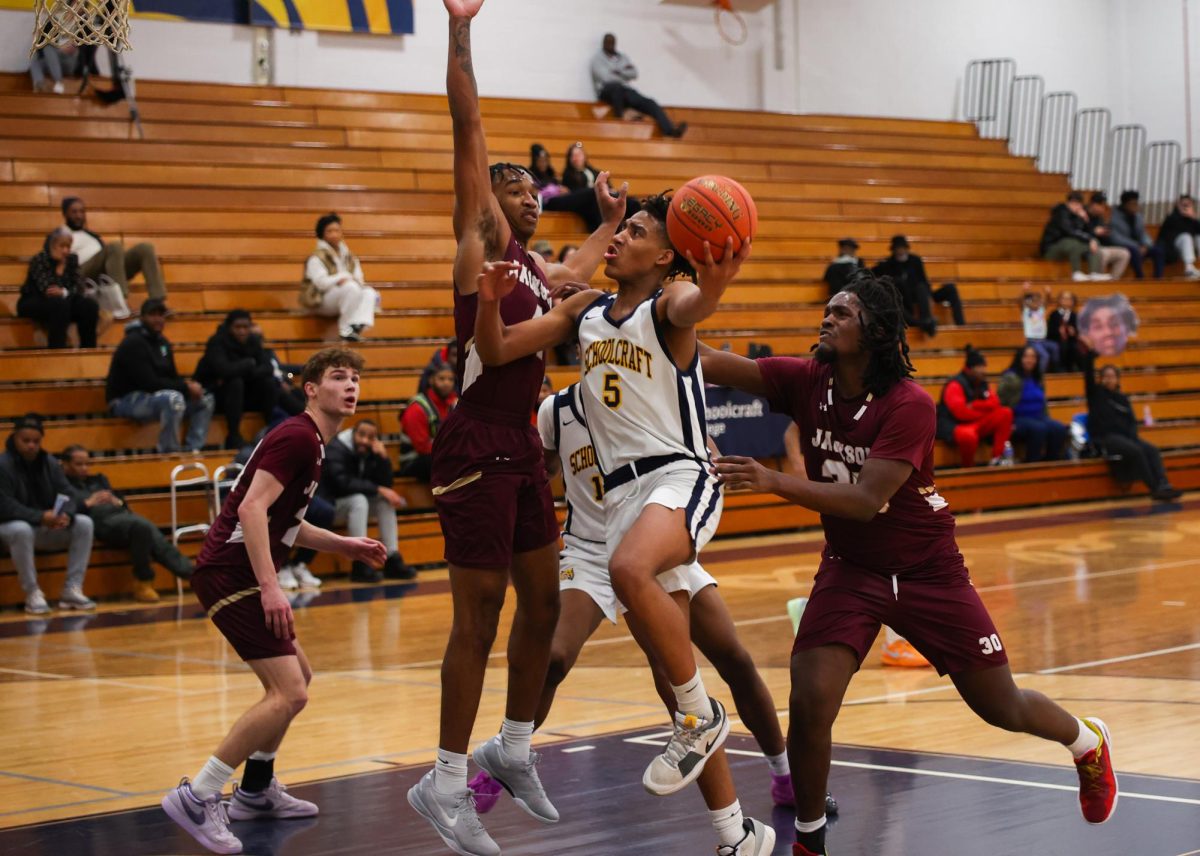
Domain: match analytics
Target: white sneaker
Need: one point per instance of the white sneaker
(690, 747)
(58, 88)
(453, 817)
(520, 780)
(73, 598)
(287, 578)
(1101, 277)
(305, 577)
(1080, 276)
(1191, 273)
(35, 603)
(204, 820)
(759, 840)
(274, 802)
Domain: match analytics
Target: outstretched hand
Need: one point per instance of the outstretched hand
(497, 280)
(740, 473)
(463, 8)
(612, 208)
(716, 276)
(366, 550)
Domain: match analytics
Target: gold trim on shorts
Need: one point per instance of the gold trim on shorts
(457, 483)
(233, 598)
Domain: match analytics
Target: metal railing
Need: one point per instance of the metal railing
(1089, 147)
(986, 95)
(1054, 134)
(1126, 145)
(1189, 177)
(1160, 179)
(1025, 114)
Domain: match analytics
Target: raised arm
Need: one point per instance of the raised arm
(480, 228)
(581, 265)
(498, 344)
(685, 304)
(724, 368)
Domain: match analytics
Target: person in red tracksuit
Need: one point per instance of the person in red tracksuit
(969, 412)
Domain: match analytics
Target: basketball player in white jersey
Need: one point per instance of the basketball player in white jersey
(642, 393)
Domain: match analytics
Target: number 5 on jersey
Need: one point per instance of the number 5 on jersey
(612, 390)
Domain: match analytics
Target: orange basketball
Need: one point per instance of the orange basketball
(710, 208)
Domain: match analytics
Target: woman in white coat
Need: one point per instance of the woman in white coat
(334, 285)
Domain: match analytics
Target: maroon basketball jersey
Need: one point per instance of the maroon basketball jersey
(914, 529)
(293, 453)
(513, 387)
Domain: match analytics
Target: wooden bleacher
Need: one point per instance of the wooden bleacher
(229, 181)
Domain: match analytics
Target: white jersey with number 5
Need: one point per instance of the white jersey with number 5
(563, 429)
(639, 404)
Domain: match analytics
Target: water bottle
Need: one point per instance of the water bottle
(1006, 458)
(1147, 416)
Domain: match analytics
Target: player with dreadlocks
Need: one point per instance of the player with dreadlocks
(890, 557)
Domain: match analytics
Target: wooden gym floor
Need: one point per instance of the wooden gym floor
(1096, 605)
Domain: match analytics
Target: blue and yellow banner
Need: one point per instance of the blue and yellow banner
(383, 17)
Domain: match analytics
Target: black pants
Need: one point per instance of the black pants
(1139, 460)
(57, 314)
(145, 541)
(621, 97)
(419, 468)
(236, 395)
(583, 202)
(320, 513)
(948, 293)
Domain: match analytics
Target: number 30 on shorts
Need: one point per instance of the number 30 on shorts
(990, 644)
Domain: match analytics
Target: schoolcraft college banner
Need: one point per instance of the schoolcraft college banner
(743, 424)
(383, 17)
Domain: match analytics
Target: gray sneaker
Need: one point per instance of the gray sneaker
(520, 780)
(758, 840)
(453, 818)
(73, 598)
(35, 603)
(690, 747)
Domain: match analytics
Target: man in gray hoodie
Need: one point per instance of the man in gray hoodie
(1128, 229)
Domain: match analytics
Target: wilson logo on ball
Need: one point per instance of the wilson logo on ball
(710, 208)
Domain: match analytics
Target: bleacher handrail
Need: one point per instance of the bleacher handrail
(1126, 150)
(1054, 139)
(1160, 179)
(1089, 147)
(1025, 115)
(986, 94)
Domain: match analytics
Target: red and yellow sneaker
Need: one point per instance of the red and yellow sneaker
(1097, 778)
(900, 652)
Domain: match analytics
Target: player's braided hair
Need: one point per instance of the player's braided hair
(657, 206)
(882, 325)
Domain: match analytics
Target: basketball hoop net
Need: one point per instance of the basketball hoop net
(730, 24)
(81, 22)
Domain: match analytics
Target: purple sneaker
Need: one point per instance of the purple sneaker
(781, 790)
(487, 792)
(204, 820)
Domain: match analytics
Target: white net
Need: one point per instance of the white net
(81, 22)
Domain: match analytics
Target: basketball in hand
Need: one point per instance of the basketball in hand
(710, 208)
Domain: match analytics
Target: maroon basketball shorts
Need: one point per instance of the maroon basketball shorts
(234, 604)
(937, 610)
(490, 488)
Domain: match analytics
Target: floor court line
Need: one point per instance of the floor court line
(65, 784)
(1159, 652)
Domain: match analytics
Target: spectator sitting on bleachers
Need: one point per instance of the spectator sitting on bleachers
(32, 516)
(1068, 235)
(1128, 230)
(843, 266)
(1023, 389)
(447, 354)
(1062, 327)
(907, 272)
(1033, 320)
(334, 284)
(60, 57)
(143, 384)
(116, 525)
(968, 413)
(357, 478)
(420, 421)
(1179, 236)
(97, 257)
(545, 179)
(1112, 428)
(565, 252)
(53, 293)
(579, 177)
(288, 397)
(236, 370)
(295, 573)
(1113, 256)
(611, 72)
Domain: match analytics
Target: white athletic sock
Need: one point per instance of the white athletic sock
(809, 826)
(450, 772)
(515, 738)
(212, 778)
(778, 764)
(727, 823)
(691, 697)
(1085, 742)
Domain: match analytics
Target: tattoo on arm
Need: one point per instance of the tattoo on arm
(489, 233)
(462, 52)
